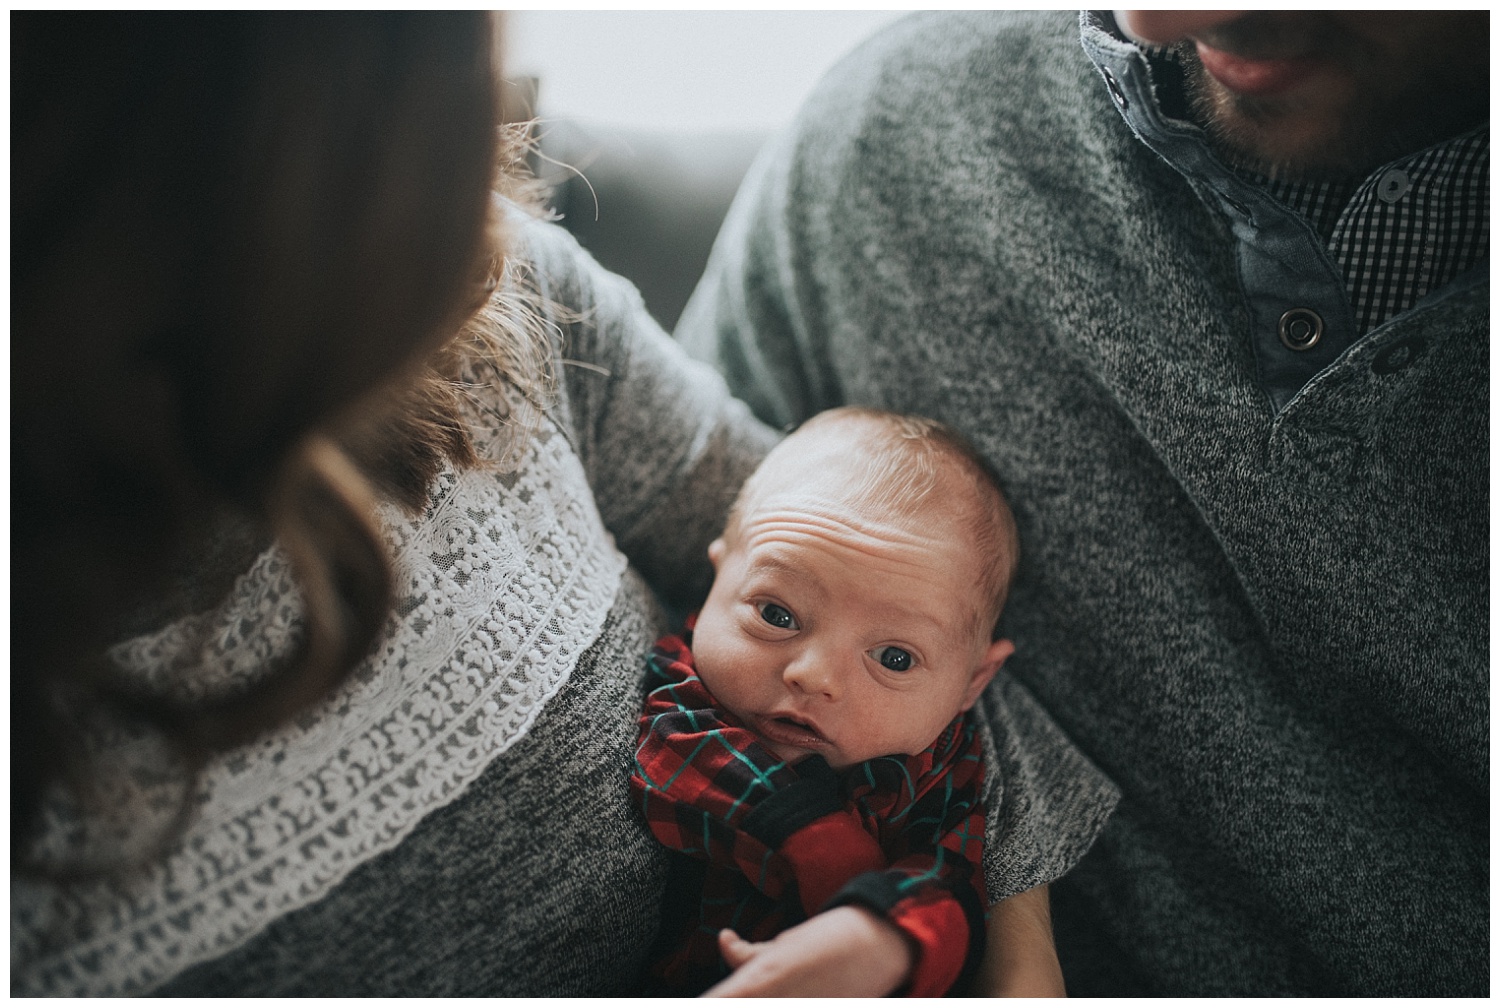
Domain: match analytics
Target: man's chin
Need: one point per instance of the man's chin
(1332, 125)
(1290, 149)
(1306, 136)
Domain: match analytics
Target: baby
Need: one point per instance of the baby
(805, 740)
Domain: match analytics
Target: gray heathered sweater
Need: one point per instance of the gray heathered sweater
(1269, 627)
(537, 878)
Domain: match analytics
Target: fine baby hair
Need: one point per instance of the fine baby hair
(902, 461)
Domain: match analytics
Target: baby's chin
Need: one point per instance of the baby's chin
(792, 755)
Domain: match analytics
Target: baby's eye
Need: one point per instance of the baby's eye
(894, 658)
(777, 616)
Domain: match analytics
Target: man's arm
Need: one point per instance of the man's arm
(751, 316)
(1020, 959)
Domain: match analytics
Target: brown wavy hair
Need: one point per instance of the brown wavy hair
(241, 247)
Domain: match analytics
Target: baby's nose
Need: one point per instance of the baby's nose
(814, 673)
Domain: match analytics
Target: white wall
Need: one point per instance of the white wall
(680, 70)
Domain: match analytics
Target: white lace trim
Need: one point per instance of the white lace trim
(503, 583)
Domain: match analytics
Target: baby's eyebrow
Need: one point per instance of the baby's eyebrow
(773, 563)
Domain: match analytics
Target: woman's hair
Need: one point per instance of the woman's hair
(241, 247)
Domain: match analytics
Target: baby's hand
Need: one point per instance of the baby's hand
(845, 952)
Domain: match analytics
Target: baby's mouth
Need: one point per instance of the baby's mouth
(793, 731)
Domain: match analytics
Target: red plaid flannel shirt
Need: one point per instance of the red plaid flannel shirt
(901, 835)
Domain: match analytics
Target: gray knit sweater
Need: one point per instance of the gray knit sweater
(1268, 625)
(457, 822)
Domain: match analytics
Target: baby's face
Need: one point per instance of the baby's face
(842, 634)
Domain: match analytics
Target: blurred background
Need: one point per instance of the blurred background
(661, 112)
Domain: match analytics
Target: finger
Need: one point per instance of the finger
(735, 950)
(729, 987)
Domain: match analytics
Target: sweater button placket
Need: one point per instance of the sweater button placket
(1399, 356)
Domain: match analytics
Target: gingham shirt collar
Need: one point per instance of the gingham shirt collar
(1408, 228)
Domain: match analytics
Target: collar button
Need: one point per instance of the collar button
(1394, 184)
(1300, 329)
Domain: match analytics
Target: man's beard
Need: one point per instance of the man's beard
(1392, 111)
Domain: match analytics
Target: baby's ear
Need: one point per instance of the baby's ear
(996, 655)
(716, 552)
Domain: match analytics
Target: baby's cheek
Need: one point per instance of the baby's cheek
(717, 667)
(708, 638)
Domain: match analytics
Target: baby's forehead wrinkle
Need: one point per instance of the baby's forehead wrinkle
(837, 526)
(921, 553)
(903, 580)
(834, 512)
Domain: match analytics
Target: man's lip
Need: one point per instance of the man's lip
(1254, 77)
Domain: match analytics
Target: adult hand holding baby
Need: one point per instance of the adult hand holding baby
(844, 952)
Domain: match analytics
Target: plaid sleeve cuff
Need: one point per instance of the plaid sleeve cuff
(944, 923)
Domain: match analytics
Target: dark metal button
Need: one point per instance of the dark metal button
(1300, 329)
(1115, 91)
(1399, 355)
